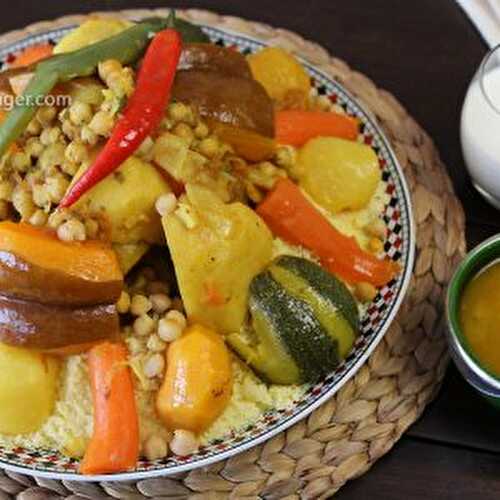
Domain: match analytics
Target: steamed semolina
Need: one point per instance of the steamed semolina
(70, 427)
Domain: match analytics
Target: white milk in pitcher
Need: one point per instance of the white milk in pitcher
(480, 134)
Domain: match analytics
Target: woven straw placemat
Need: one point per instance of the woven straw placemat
(347, 435)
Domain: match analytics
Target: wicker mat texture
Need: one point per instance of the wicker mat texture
(347, 435)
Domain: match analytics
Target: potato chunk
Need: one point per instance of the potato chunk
(28, 387)
(217, 249)
(126, 201)
(338, 174)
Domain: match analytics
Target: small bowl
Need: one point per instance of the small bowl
(483, 380)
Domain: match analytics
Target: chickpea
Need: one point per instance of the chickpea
(155, 447)
(33, 147)
(201, 131)
(52, 155)
(155, 344)
(178, 317)
(365, 292)
(178, 111)
(154, 365)
(34, 127)
(56, 187)
(105, 68)
(39, 218)
(184, 132)
(76, 152)
(59, 217)
(88, 136)
(46, 114)
(166, 204)
(72, 230)
(102, 123)
(169, 330)
(209, 147)
(50, 135)
(23, 202)
(69, 130)
(80, 112)
(375, 245)
(144, 325)
(41, 196)
(160, 302)
(140, 305)
(184, 443)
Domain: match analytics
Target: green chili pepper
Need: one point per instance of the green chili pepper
(126, 47)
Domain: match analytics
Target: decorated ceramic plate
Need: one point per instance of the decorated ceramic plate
(376, 315)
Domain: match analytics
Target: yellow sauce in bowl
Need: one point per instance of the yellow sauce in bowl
(480, 317)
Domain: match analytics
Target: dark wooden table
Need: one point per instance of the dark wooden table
(425, 53)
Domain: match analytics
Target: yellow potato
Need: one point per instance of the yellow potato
(126, 201)
(284, 78)
(338, 174)
(91, 31)
(217, 249)
(28, 387)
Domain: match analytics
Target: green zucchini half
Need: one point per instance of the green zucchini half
(303, 322)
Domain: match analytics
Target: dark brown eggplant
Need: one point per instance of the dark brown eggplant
(233, 100)
(27, 281)
(210, 57)
(39, 326)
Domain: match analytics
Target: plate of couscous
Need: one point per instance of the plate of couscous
(202, 238)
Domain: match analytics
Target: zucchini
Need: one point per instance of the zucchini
(303, 322)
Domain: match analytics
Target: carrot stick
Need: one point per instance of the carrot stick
(292, 217)
(114, 446)
(32, 55)
(296, 127)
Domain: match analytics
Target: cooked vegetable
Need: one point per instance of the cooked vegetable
(217, 249)
(142, 115)
(129, 254)
(35, 265)
(304, 322)
(283, 77)
(41, 326)
(247, 144)
(114, 446)
(297, 127)
(126, 202)
(338, 174)
(210, 57)
(32, 54)
(233, 100)
(91, 31)
(292, 217)
(28, 389)
(198, 381)
(126, 47)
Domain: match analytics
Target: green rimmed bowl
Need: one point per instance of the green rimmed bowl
(471, 368)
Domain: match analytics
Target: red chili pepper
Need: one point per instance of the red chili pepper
(142, 115)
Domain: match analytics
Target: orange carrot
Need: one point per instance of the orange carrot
(32, 55)
(292, 217)
(296, 127)
(114, 446)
